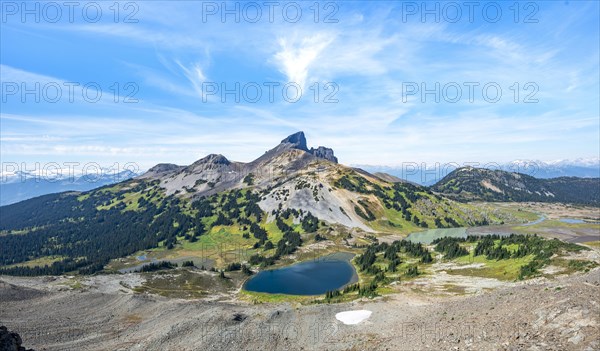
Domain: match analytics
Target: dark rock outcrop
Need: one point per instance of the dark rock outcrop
(10, 341)
(324, 153)
(298, 141)
(239, 317)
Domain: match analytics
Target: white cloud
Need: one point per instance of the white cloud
(296, 55)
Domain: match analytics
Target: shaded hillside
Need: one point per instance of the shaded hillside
(467, 184)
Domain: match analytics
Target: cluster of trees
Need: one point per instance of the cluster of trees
(291, 212)
(310, 223)
(491, 251)
(260, 260)
(249, 179)
(235, 266)
(155, 266)
(412, 271)
(526, 245)
(366, 261)
(369, 290)
(259, 233)
(541, 249)
(284, 227)
(222, 220)
(197, 231)
(420, 223)
(451, 223)
(234, 206)
(203, 207)
(393, 263)
(450, 247)
(332, 294)
(530, 269)
(354, 184)
(366, 214)
(288, 244)
(246, 270)
(415, 250)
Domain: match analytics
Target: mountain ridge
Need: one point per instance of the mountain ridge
(480, 184)
(270, 206)
(429, 174)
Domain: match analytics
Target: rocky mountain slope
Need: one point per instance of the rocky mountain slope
(272, 203)
(466, 184)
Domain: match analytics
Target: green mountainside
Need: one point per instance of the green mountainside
(478, 184)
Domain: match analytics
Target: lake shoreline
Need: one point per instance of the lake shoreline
(302, 270)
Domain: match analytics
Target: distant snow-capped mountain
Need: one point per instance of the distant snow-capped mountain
(22, 185)
(581, 167)
(428, 174)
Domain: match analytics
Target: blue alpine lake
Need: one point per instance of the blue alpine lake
(312, 277)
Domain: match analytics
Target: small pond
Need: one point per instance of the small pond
(571, 220)
(312, 277)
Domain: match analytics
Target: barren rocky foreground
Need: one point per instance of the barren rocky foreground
(541, 314)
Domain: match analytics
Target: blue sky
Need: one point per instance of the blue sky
(366, 55)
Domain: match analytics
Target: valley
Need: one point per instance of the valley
(468, 302)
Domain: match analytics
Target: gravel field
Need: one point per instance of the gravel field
(540, 314)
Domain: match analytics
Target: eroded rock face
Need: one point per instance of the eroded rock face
(298, 141)
(10, 341)
(324, 153)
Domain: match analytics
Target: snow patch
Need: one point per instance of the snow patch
(353, 317)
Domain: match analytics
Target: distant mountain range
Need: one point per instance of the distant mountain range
(21, 186)
(426, 174)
